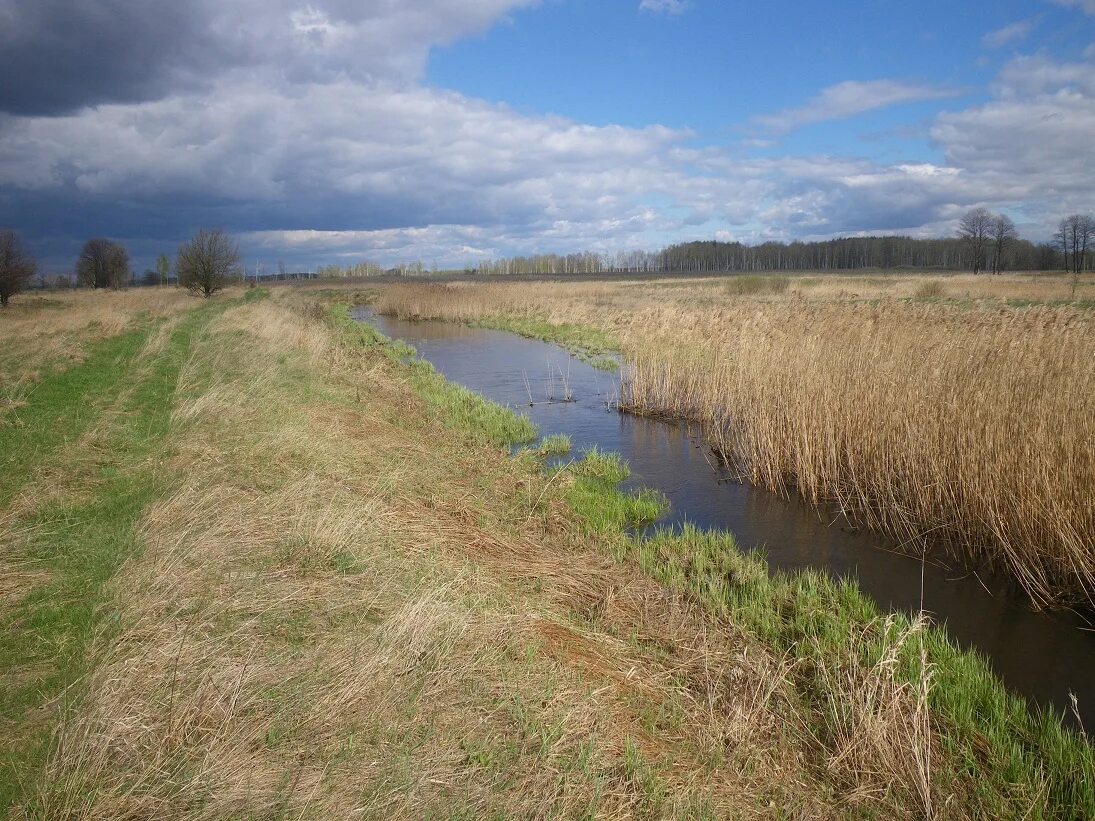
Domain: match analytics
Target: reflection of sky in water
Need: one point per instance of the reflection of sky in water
(1044, 657)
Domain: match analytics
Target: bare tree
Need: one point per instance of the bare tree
(208, 261)
(1003, 232)
(975, 229)
(17, 267)
(1074, 235)
(102, 263)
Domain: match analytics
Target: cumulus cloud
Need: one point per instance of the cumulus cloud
(850, 98)
(1008, 34)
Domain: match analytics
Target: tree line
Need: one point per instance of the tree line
(984, 242)
(204, 264)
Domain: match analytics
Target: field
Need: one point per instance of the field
(257, 563)
(953, 413)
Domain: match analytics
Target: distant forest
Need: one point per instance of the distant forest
(849, 253)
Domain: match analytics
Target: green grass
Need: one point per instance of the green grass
(594, 495)
(557, 444)
(592, 345)
(78, 543)
(62, 406)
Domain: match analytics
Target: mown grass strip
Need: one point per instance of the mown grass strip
(62, 406)
(80, 544)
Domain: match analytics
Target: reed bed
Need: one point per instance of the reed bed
(968, 424)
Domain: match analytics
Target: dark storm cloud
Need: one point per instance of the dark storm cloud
(57, 56)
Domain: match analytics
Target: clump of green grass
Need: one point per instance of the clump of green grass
(595, 495)
(557, 444)
(751, 284)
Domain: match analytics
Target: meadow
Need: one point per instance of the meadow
(259, 562)
(955, 414)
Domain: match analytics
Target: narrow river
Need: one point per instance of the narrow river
(1043, 657)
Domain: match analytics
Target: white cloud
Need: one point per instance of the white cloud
(663, 6)
(1086, 6)
(1008, 34)
(849, 98)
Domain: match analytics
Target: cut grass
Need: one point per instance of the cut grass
(78, 543)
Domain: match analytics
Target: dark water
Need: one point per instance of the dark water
(1043, 657)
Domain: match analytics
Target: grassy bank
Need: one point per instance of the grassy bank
(336, 592)
(922, 407)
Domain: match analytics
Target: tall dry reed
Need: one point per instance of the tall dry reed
(971, 426)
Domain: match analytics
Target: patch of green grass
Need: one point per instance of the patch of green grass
(592, 345)
(1082, 304)
(557, 444)
(79, 544)
(62, 406)
(595, 495)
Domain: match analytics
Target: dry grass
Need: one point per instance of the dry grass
(962, 422)
(336, 615)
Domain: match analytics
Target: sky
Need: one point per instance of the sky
(335, 131)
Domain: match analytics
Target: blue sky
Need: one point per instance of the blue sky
(451, 130)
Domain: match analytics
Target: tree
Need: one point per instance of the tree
(102, 263)
(150, 277)
(974, 229)
(163, 268)
(17, 267)
(1003, 232)
(206, 262)
(1075, 234)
